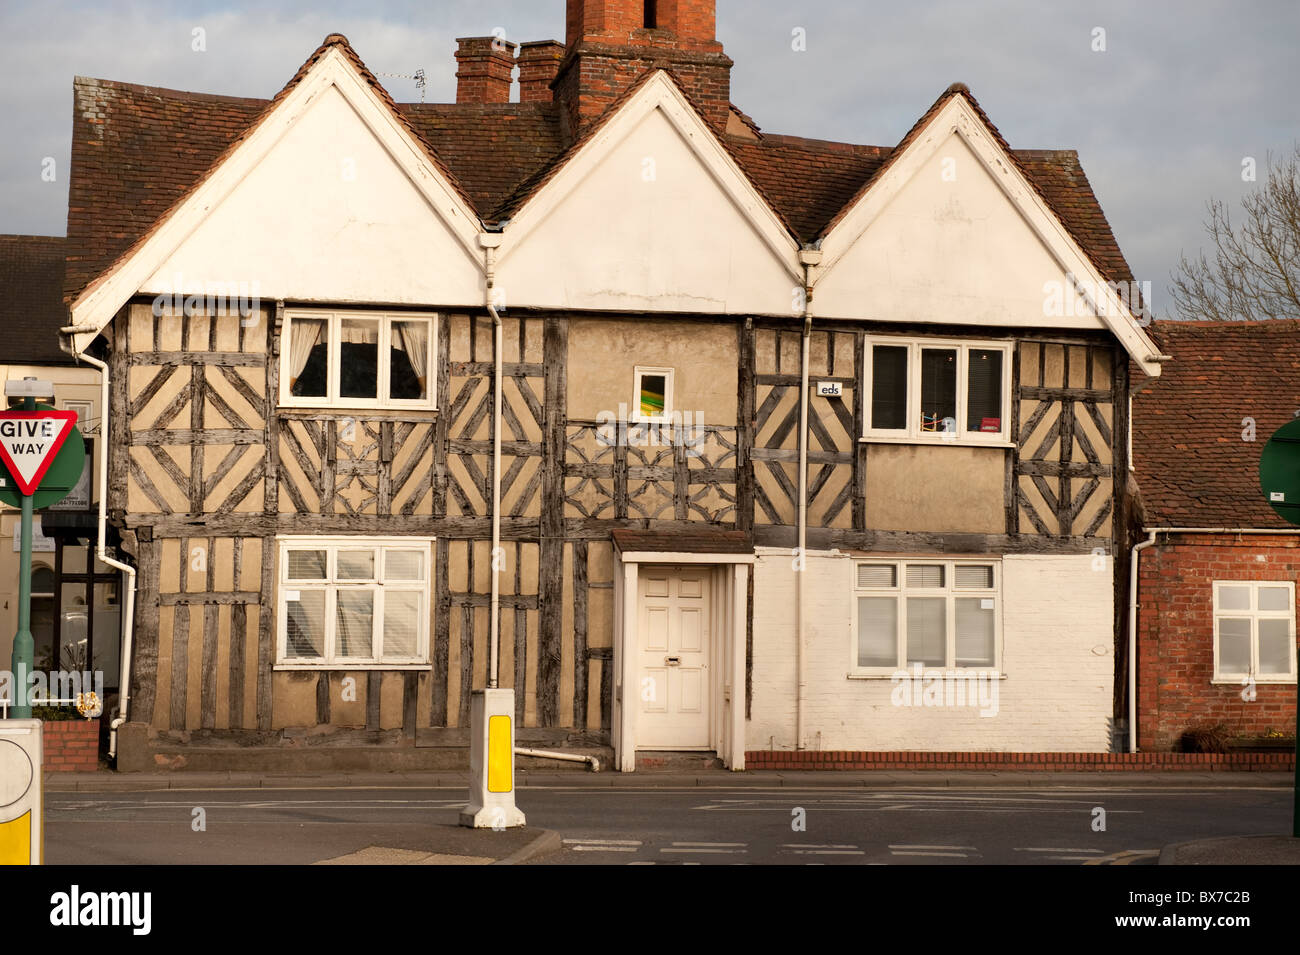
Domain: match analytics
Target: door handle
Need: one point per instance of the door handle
(673, 661)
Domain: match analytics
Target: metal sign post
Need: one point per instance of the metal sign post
(31, 441)
(1279, 479)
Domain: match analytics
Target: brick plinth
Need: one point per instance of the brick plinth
(71, 746)
(1022, 762)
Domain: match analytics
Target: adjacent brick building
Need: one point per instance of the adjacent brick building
(1217, 569)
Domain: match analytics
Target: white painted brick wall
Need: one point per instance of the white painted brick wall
(1058, 657)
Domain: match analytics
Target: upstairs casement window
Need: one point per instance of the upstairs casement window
(935, 391)
(1254, 631)
(358, 360)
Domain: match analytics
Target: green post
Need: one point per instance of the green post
(24, 646)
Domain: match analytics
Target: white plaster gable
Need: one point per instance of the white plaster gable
(329, 199)
(953, 233)
(651, 214)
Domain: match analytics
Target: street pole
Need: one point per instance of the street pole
(24, 646)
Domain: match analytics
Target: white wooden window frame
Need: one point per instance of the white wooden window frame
(950, 591)
(335, 321)
(640, 372)
(330, 660)
(1254, 615)
(912, 434)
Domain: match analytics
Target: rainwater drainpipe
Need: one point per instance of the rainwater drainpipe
(101, 551)
(809, 259)
(490, 242)
(1133, 640)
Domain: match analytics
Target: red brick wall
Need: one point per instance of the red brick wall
(70, 746)
(1176, 638)
(609, 49)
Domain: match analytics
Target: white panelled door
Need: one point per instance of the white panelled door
(674, 650)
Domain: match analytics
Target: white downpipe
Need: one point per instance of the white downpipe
(591, 761)
(808, 259)
(1133, 601)
(128, 628)
(490, 241)
(1133, 640)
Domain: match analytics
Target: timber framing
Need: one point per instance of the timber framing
(208, 460)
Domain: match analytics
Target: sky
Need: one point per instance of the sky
(1166, 101)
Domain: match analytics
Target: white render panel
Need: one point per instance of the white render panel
(327, 215)
(1058, 658)
(648, 228)
(949, 246)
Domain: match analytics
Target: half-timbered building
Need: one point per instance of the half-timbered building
(779, 419)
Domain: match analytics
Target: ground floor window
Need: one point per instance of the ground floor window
(939, 614)
(354, 602)
(1254, 631)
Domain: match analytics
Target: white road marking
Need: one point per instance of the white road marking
(725, 852)
(946, 855)
(1096, 851)
(824, 852)
(714, 845)
(813, 845)
(603, 848)
(603, 842)
(951, 848)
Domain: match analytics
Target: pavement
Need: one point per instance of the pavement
(106, 781)
(1234, 850)
(455, 845)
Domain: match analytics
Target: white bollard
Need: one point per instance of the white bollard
(21, 824)
(492, 762)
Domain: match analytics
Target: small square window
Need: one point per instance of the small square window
(653, 397)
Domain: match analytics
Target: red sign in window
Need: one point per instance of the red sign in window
(991, 424)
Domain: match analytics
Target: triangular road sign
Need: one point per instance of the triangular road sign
(30, 441)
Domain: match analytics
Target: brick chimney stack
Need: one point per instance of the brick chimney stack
(485, 67)
(612, 42)
(539, 64)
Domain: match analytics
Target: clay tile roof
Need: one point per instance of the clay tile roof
(31, 299)
(138, 151)
(705, 540)
(1192, 465)
(491, 149)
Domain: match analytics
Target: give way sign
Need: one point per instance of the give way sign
(30, 441)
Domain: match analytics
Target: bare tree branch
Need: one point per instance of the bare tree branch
(1254, 270)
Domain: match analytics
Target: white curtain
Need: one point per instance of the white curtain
(306, 336)
(415, 341)
(357, 332)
